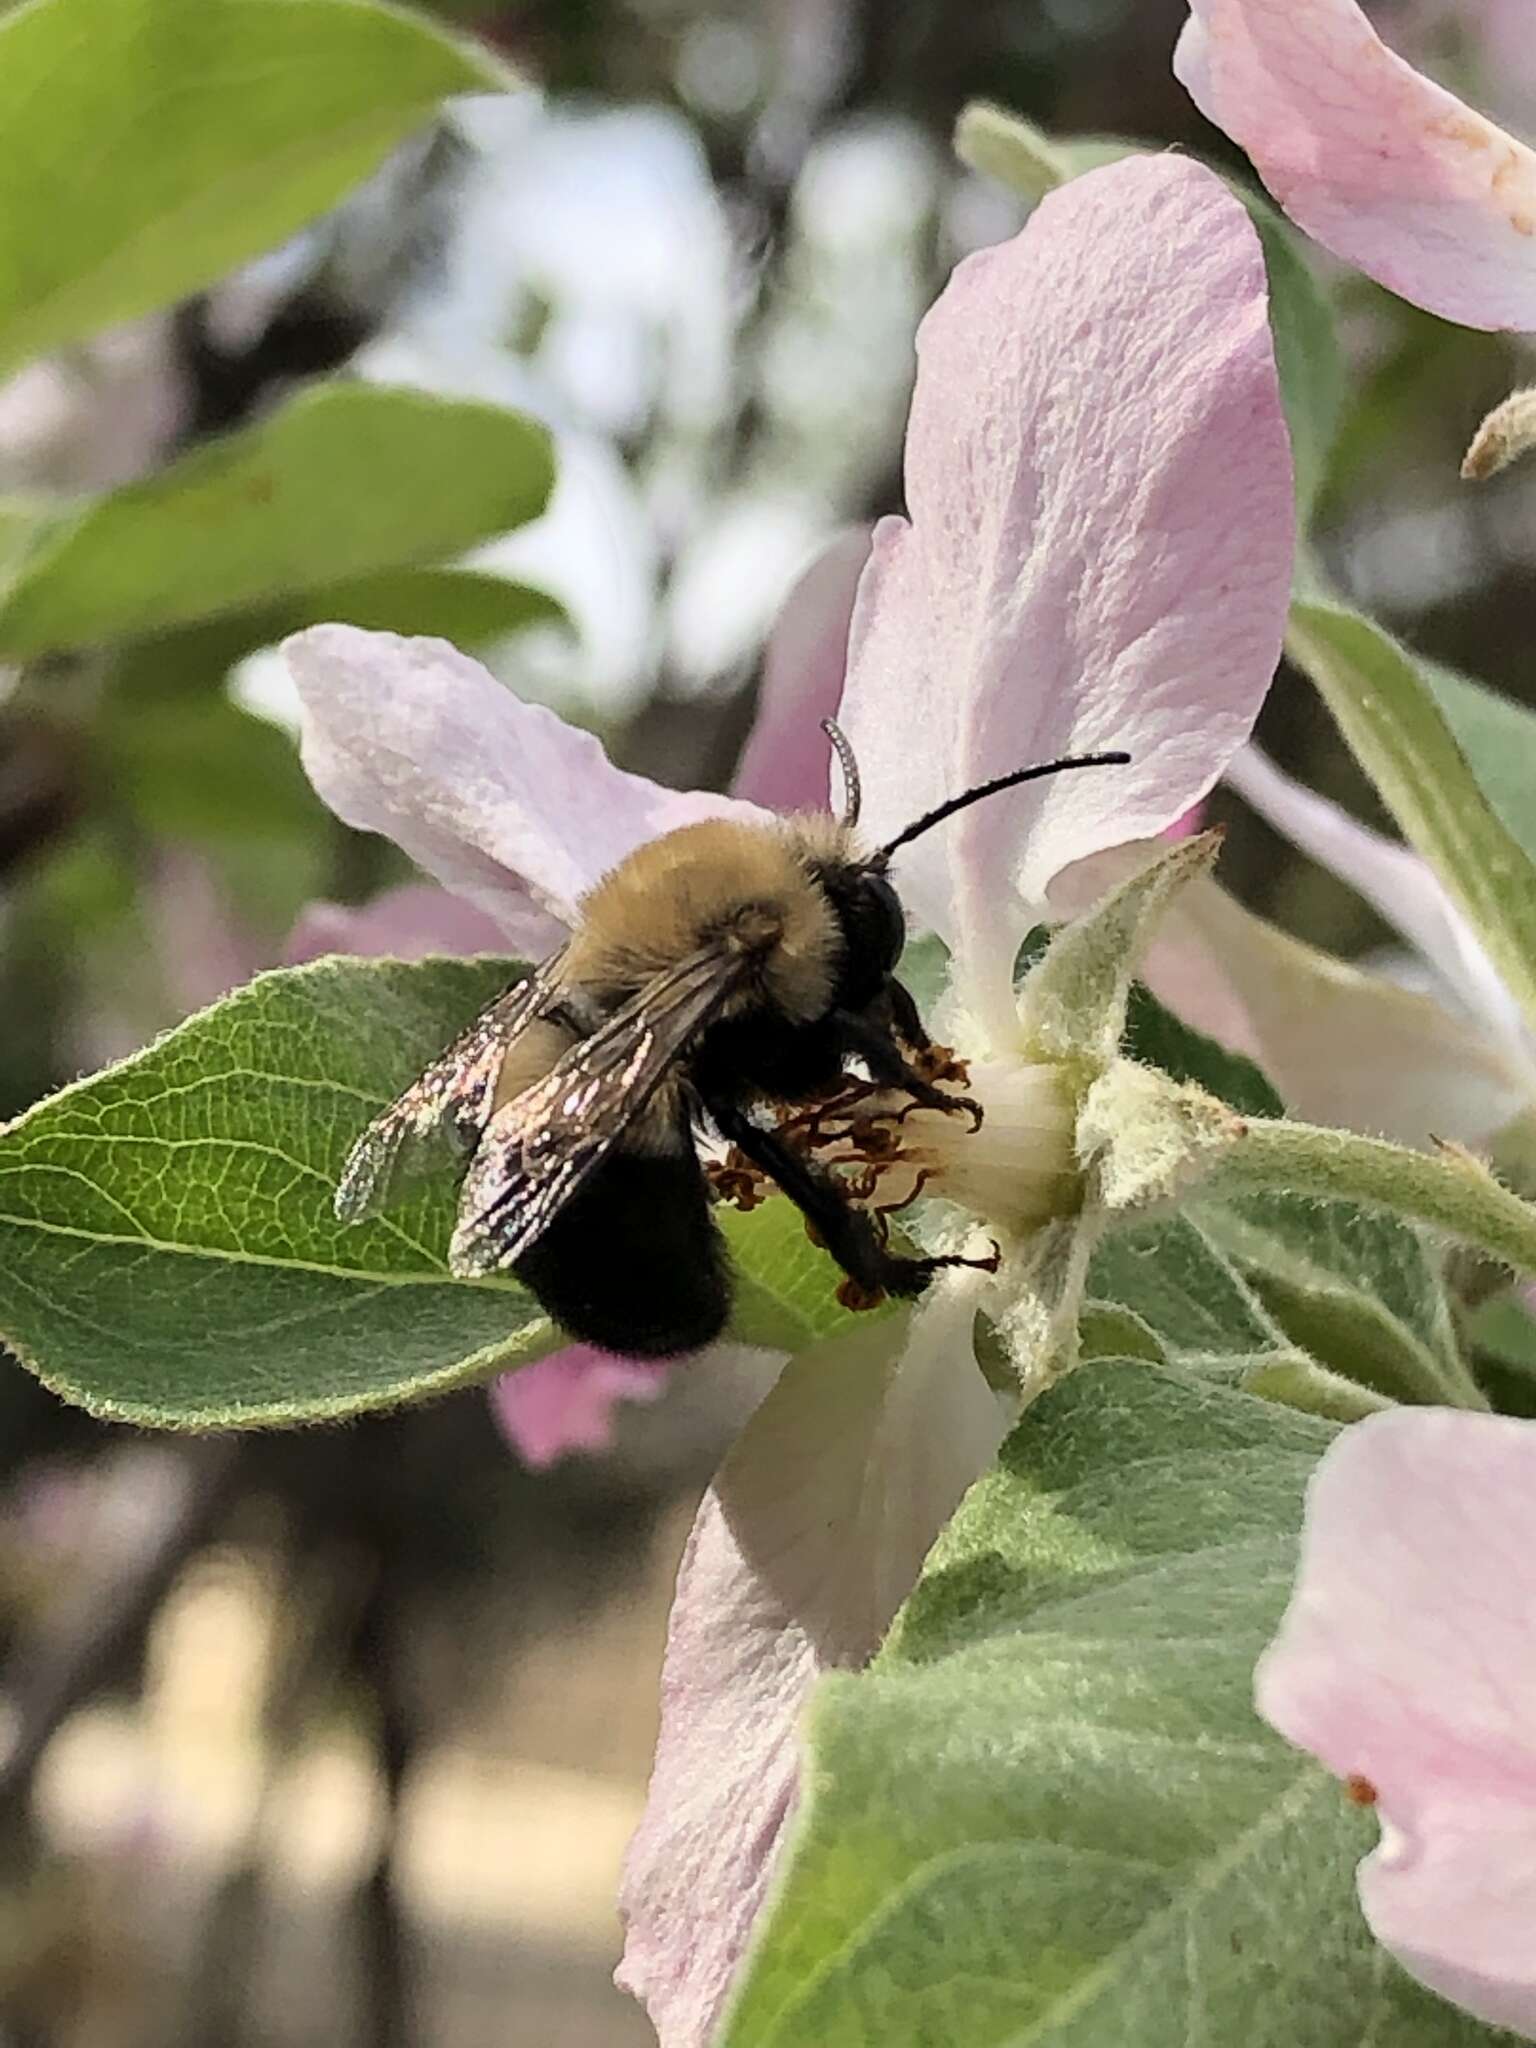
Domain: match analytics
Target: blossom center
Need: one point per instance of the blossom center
(1004, 1153)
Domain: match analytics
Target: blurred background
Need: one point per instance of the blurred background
(338, 1737)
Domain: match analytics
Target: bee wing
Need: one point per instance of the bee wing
(540, 1147)
(442, 1114)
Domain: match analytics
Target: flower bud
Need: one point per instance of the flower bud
(1507, 432)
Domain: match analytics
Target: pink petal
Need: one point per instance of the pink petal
(411, 923)
(1384, 167)
(1341, 1047)
(566, 1402)
(205, 946)
(735, 1680)
(1506, 58)
(784, 763)
(502, 801)
(806, 1545)
(1407, 1663)
(1398, 881)
(1190, 825)
(1100, 550)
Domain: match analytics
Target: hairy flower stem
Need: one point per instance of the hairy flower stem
(1450, 1191)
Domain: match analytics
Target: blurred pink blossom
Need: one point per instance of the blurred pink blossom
(1190, 825)
(1381, 165)
(1406, 1663)
(96, 415)
(410, 922)
(784, 762)
(1099, 555)
(565, 1402)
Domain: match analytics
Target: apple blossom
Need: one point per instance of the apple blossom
(1406, 1662)
(1382, 166)
(1098, 556)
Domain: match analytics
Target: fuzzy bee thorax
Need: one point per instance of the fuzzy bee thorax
(750, 886)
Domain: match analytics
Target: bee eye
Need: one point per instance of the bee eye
(875, 927)
(884, 921)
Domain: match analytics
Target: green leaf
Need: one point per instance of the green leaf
(345, 481)
(1357, 1289)
(1395, 411)
(1074, 999)
(1503, 1336)
(201, 772)
(1386, 709)
(1152, 1035)
(1498, 737)
(203, 769)
(1182, 1286)
(19, 519)
(150, 146)
(1049, 1815)
(1300, 1382)
(1307, 353)
(1157, 1038)
(785, 1287)
(1023, 157)
(168, 1252)
(1005, 146)
(465, 606)
(1107, 1329)
(1506, 1328)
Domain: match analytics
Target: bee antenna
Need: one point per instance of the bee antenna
(974, 796)
(852, 795)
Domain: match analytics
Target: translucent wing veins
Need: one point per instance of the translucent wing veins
(539, 1148)
(441, 1116)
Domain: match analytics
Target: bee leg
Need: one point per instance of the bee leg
(849, 1234)
(883, 1057)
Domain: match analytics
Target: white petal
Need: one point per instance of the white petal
(811, 1537)
(1099, 553)
(1397, 881)
(1341, 1047)
(500, 800)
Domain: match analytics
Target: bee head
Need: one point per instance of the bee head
(868, 909)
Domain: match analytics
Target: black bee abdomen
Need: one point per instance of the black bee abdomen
(633, 1262)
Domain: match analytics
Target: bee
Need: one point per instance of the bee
(717, 977)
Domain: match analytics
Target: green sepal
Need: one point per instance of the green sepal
(1073, 1001)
